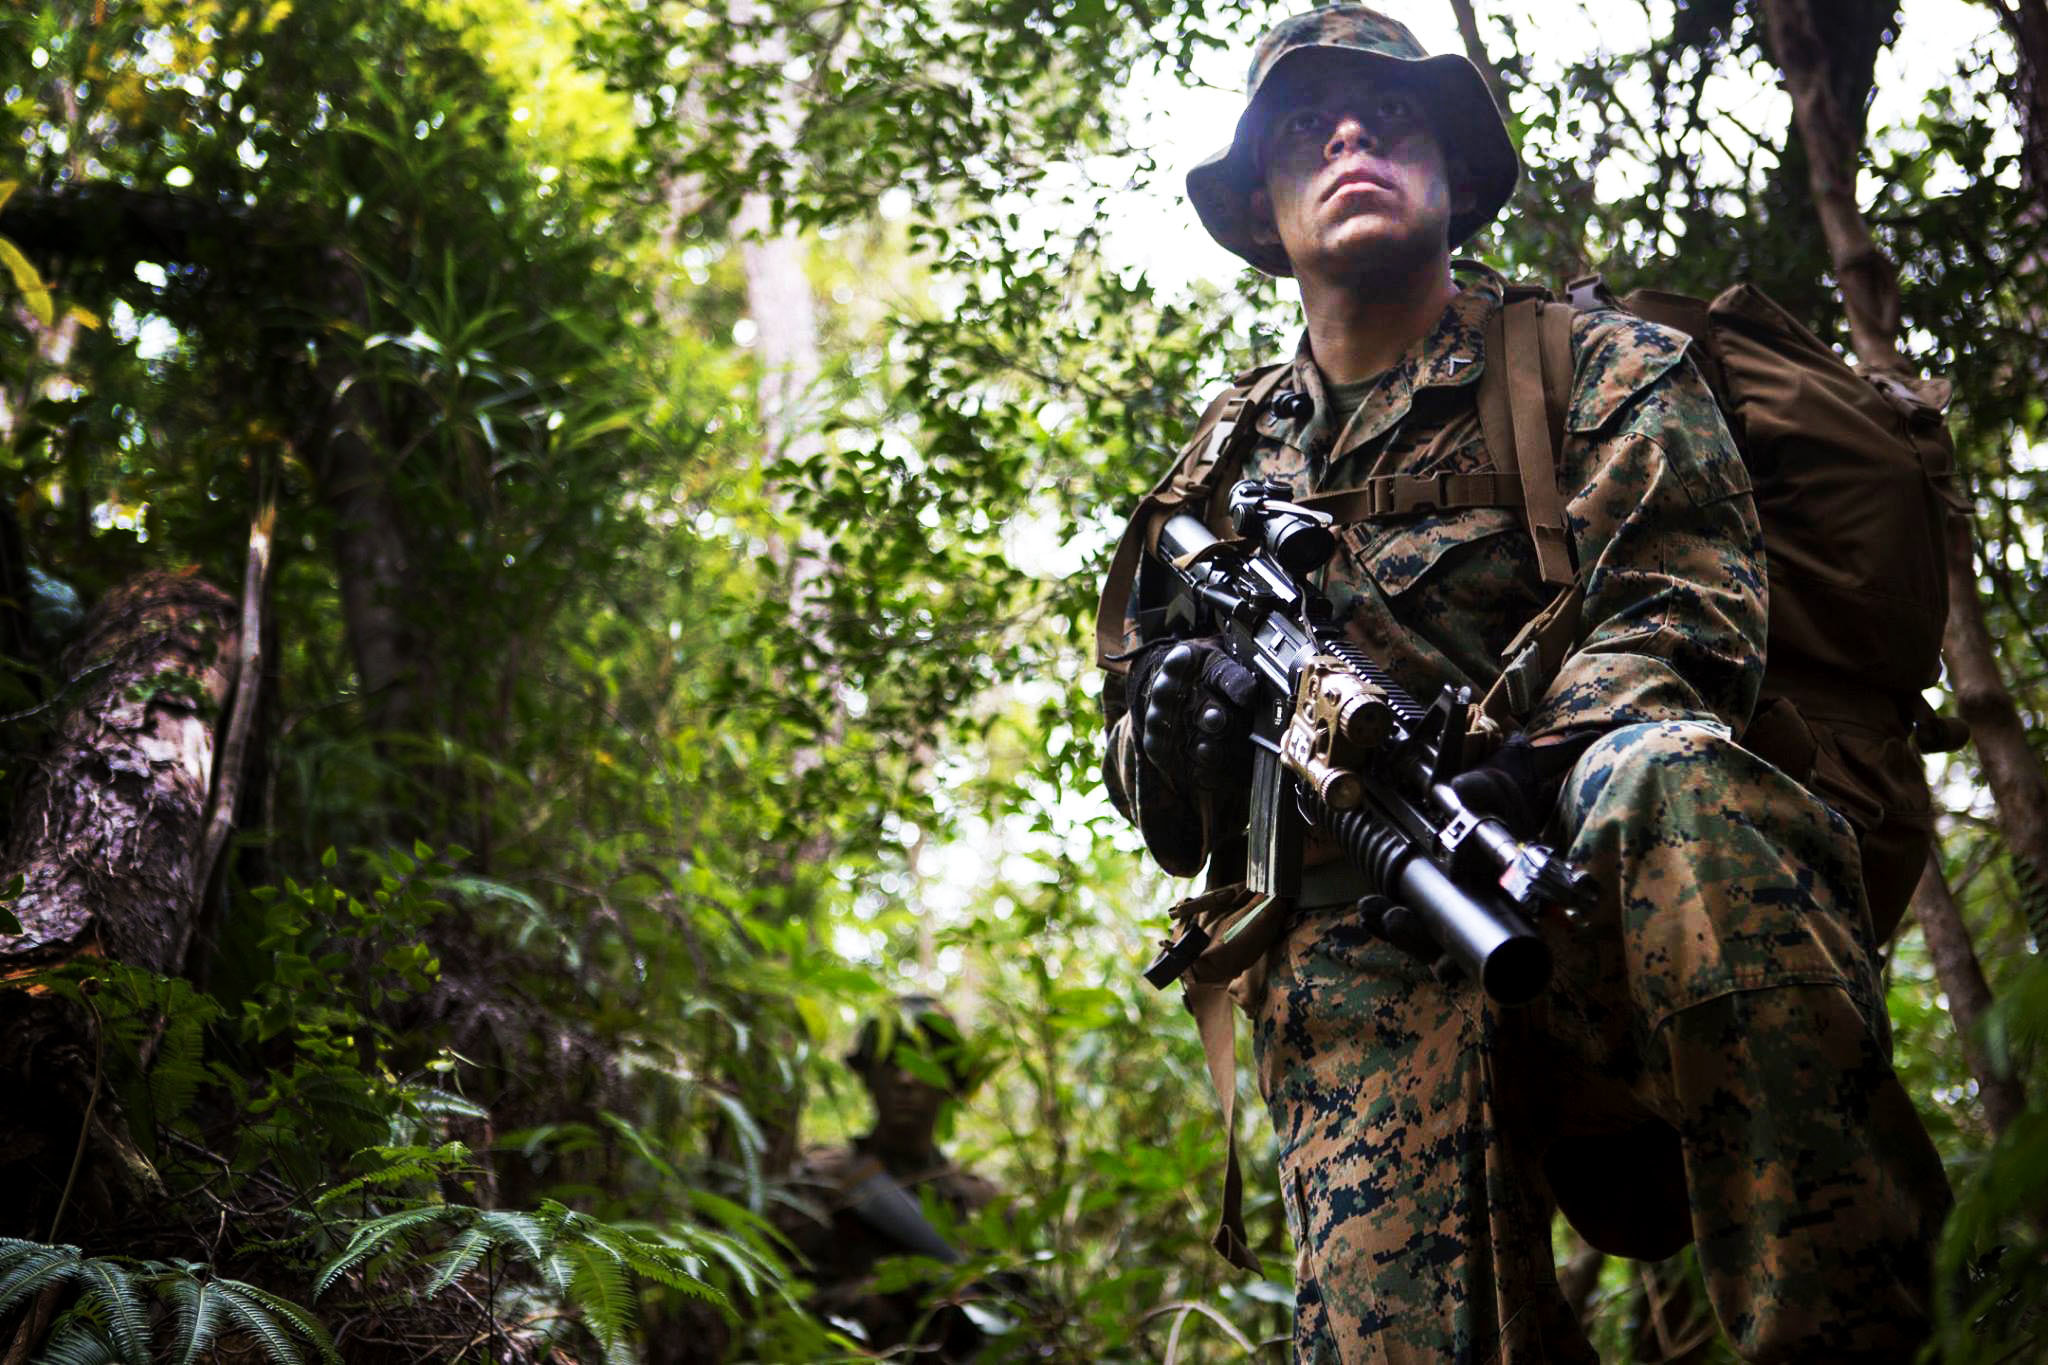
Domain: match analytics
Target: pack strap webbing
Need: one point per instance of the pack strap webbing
(1215, 1022)
(1523, 393)
(1393, 495)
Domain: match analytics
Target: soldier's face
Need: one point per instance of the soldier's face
(906, 1108)
(1355, 181)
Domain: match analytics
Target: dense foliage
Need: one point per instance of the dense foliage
(628, 733)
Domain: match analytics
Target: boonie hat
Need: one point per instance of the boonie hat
(1460, 108)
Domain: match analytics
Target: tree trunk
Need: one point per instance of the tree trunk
(1833, 135)
(370, 559)
(2026, 21)
(2011, 768)
(1969, 995)
(107, 827)
(106, 835)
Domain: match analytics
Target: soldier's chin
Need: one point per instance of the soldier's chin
(1367, 246)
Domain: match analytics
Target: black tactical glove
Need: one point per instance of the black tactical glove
(1192, 706)
(1519, 784)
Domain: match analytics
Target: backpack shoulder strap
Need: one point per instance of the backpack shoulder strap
(1523, 395)
(1211, 451)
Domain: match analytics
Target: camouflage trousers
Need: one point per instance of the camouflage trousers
(1712, 1064)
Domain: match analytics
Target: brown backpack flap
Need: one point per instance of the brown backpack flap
(1242, 924)
(1849, 494)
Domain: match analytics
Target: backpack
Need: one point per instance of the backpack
(1854, 479)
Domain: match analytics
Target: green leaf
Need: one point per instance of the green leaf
(115, 1291)
(255, 1318)
(599, 1287)
(379, 1235)
(459, 1259)
(40, 1265)
(77, 1341)
(297, 1317)
(523, 1230)
(34, 292)
(197, 1308)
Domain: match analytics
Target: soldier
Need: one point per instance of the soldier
(869, 1195)
(1712, 1063)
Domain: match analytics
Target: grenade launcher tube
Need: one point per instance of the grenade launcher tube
(1493, 944)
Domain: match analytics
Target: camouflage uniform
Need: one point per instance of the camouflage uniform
(1712, 1061)
(1716, 1031)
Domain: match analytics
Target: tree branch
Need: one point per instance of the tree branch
(1969, 995)
(1475, 49)
(234, 747)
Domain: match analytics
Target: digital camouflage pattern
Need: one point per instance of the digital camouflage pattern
(1352, 26)
(1713, 1061)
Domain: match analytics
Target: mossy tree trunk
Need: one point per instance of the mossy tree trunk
(106, 837)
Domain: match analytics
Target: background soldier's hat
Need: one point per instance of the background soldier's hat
(939, 1052)
(1461, 111)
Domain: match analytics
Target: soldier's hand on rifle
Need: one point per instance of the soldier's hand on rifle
(1519, 783)
(1192, 705)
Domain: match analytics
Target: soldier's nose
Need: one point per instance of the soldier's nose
(1351, 133)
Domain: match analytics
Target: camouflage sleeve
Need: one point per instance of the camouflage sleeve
(1670, 553)
(1119, 748)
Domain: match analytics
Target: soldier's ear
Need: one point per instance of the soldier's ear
(1259, 217)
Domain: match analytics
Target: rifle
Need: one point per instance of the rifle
(1339, 747)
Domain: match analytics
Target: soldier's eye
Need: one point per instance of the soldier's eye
(1304, 123)
(1396, 110)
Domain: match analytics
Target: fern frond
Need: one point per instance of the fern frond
(255, 1318)
(14, 1250)
(179, 1068)
(114, 1290)
(648, 1253)
(401, 1165)
(197, 1310)
(745, 1263)
(460, 1258)
(599, 1288)
(295, 1316)
(677, 1270)
(43, 1265)
(643, 1146)
(380, 1234)
(531, 1235)
(431, 1102)
(74, 1341)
